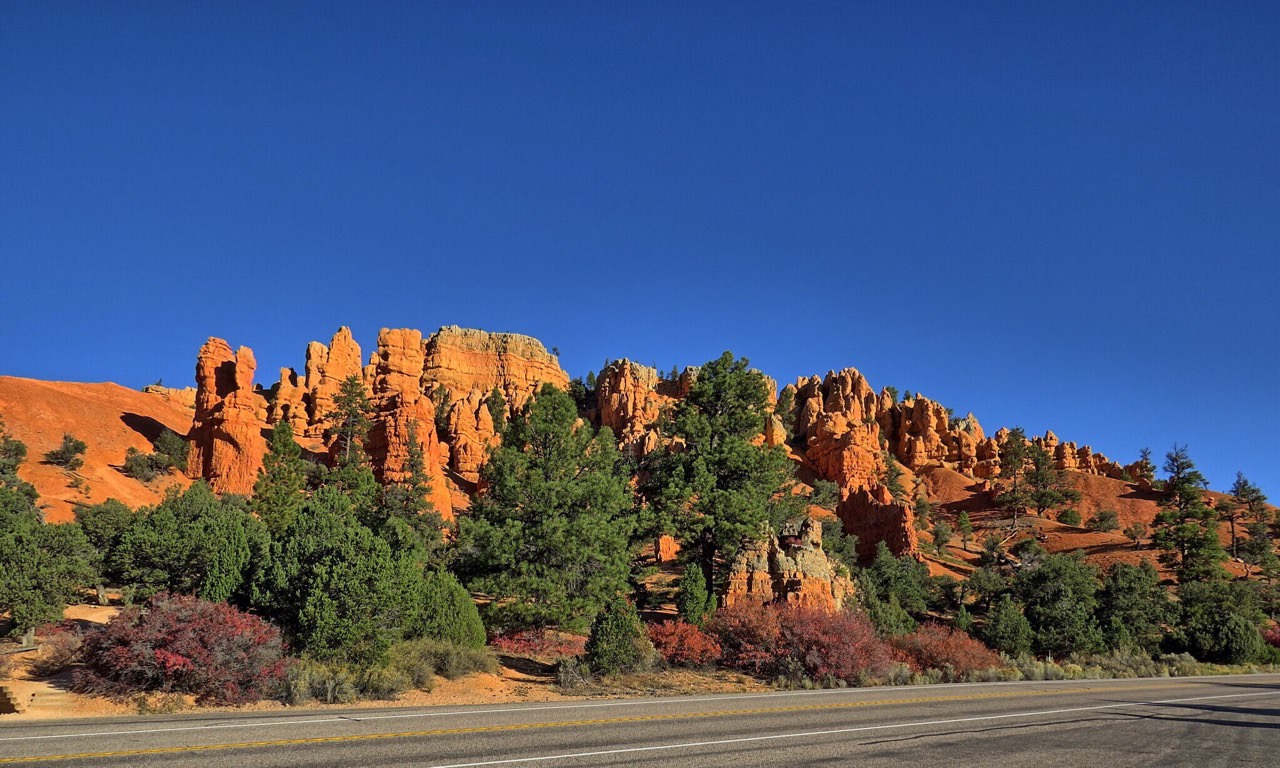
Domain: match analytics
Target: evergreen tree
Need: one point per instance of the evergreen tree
(497, 405)
(1258, 551)
(279, 492)
(886, 614)
(1219, 621)
(839, 546)
(902, 577)
(407, 505)
(69, 454)
(1060, 596)
(617, 642)
(192, 543)
(332, 585)
(786, 410)
(1228, 511)
(551, 537)
(694, 602)
(44, 566)
(1186, 527)
(1250, 498)
(1007, 629)
(1014, 452)
(349, 420)
(711, 484)
(1146, 469)
(13, 453)
(1045, 487)
(892, 478)
(923, 513)
(1133, 607)
(942, 532)
(442, 399)
(442, 609)
(965, 526)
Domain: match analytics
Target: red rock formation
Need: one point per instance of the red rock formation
(792, 569)
(226, 440)
(471, 435)
(873, 516)
(401, 408)
(465, 360)
(470, 364)
(629, 398)
(186, 397)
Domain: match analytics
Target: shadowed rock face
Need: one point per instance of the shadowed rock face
(791, 570)
(226, 443)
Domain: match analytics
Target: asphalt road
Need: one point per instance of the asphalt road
(1197, 722)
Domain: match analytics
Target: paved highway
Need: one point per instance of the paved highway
(1201, 722)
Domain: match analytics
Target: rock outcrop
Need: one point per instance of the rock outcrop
(469, 365)
(629, 399)
(791, 569)
(306, 404)
(874, 516)
(403, 413)
(226, 442)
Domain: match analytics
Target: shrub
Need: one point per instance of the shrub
(445, 611)
(1069, 516)
(181, 644)
(617, 642)
(386, 683)
(750, 637)
(171, 451)
(543, 643)
(693, 601)
(142, 466)
(934, 646)
(316, 681)
(832, 647)
(1105, 520)
(444, 658)
(1007, 630)
(681, 644)
(69, 455)
(572, 673)
(1272, 637)
(57, 652)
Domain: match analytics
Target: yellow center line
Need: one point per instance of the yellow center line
(560, 724)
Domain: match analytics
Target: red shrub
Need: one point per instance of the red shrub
(1272, 636)
(935, 646)
(540, 642)
(181, 644)
(749, 636)
(684, 645)
(832, 646)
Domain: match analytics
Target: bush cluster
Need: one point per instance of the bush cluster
(682, 644)
(182, 644)
(935, 646)
(800, 645)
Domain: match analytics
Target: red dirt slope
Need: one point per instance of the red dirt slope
(109, 418)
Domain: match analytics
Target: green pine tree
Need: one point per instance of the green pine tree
(279, 492)
(1186, 527)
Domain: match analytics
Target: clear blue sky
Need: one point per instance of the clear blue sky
(1059, 217)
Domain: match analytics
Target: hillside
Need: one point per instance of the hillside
(109, 418)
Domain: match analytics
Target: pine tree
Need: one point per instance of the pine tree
(965, 526)
(1133, 607)
(1014, 452)
(350, 419)
(1060, 596)
(1251, 498)
(1186, 527)
(1045, 487)
(279, 491)
(892, 478)
(551, 537)
(497, 405)
(942, 532)
(713, 485)
(617, 642)
(45, 566)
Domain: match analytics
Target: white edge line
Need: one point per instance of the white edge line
(632, 702)
(805, 734)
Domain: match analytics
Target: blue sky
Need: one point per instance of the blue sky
(1059, 216)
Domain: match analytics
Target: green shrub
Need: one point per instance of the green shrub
(309, 681)
(618, 642)
(572, 673)
(171, 451)
(1105, 521)
(446, 612)
(450, 661)
(385, 683)
(69, 455)
(694, 603)
(1069, 516)
(142, 466)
